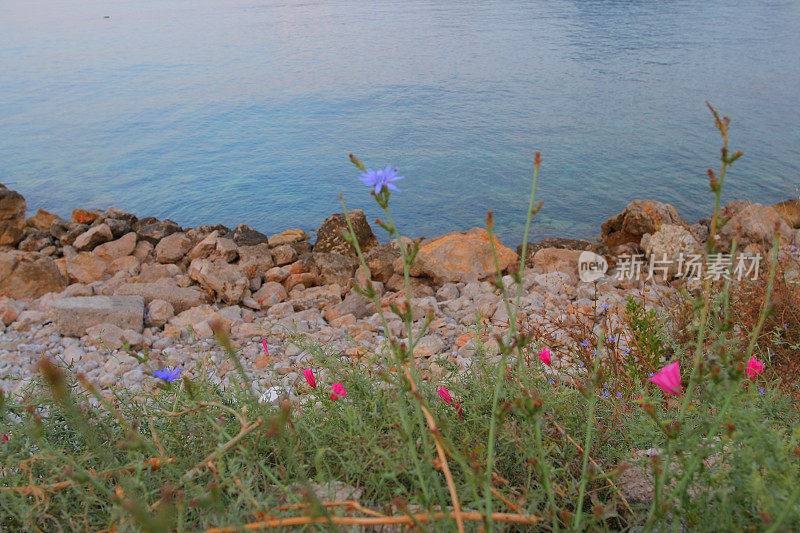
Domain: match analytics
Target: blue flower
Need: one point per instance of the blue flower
(585, 343)
(381, 178)
(168, 374)
(761, 391)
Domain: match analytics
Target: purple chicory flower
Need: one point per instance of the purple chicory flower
(381, 178)
(168, 374)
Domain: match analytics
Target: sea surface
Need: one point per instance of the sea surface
(230, 111)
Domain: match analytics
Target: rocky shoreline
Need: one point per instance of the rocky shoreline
(85, 290)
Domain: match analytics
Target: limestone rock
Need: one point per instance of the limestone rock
(28, 275)
(666, 245)
(316, 297)
(556, 260)
(10, 310)
(167, 289)
(329, 235)
(255, 260)
(205, 247)
(461, 256)
(331, 267)
(115, 249)
(34, 240)
(93, 237)
(42, 220)
(158, 313)
(155, 231)
(222, 279)
(566, 244)
(753, 224)
(72, 316)
(355, 304)
(226, 250)
(12, 216)
(172, 248)
(789, 211)
(639, 217)
(380, 260)
(269, 294)
(284, 254)
(84, 216)
(86, 268)
(288, 236)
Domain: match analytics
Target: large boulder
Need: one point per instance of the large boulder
(12, 216)
(556, 260)
(221, 279)
(461, 256)
(329, 235)
(172, 248)
(753, 224)
(167, 289)
(316, 297)
(380, 260)
(255, 260)
(73, 316)
(84, 267)
(27, 276)
(640, 217)
(113, 250)
(269, 294)
(84, 216)
(287, 237)
(565, 244)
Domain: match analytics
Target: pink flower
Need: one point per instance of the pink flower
(668, 379)
(754, 367)
(544, 357)
(445, 395)
(337, 391)
(5, 439)
(309, 375)
(264, 344)
(458, 410)
(640, 400)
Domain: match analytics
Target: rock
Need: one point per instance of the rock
(355, 304)
(118, 214)
(84, 216)
(255, 261)
(226, 250)
(316, 297)
(269, 294)
(143, 251)
(155, 231)
(380, 260)
(85, 268)
(288, 236)
(151, 272)
(789, 211)
(35, 241)
(27, 319)
(665, 247)
(118, 227)
(201, 232)
(59, 228)
(331, 267)
(158, 313)
(172, 248)
(284, 254)
(566, 244)
(121, 247)
(281, 310)
(12, 216)
(276, 274)
(9, 310)
(93, 237)
(111, 337)
(74, 231)
(180, 298)
(42, 220)
(222, 279)
(753, 224)
(29, 275)
(72, 316)
(461, 256)
(329, 235)
(448, 291)
(639, 217)
(700, 232)
(73, 355)
(556, 260)
(205, 247)
(429, 346)
(244, 235)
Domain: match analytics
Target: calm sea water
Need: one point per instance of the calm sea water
(229, 111)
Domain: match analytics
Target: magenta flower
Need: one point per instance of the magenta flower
(445, 395)
(544, 357)
(264, 344)
(381, 178)
(458, 410)
(337, 391)
(309, 375)
(754, 367)
(668, 379)
(5, 439)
